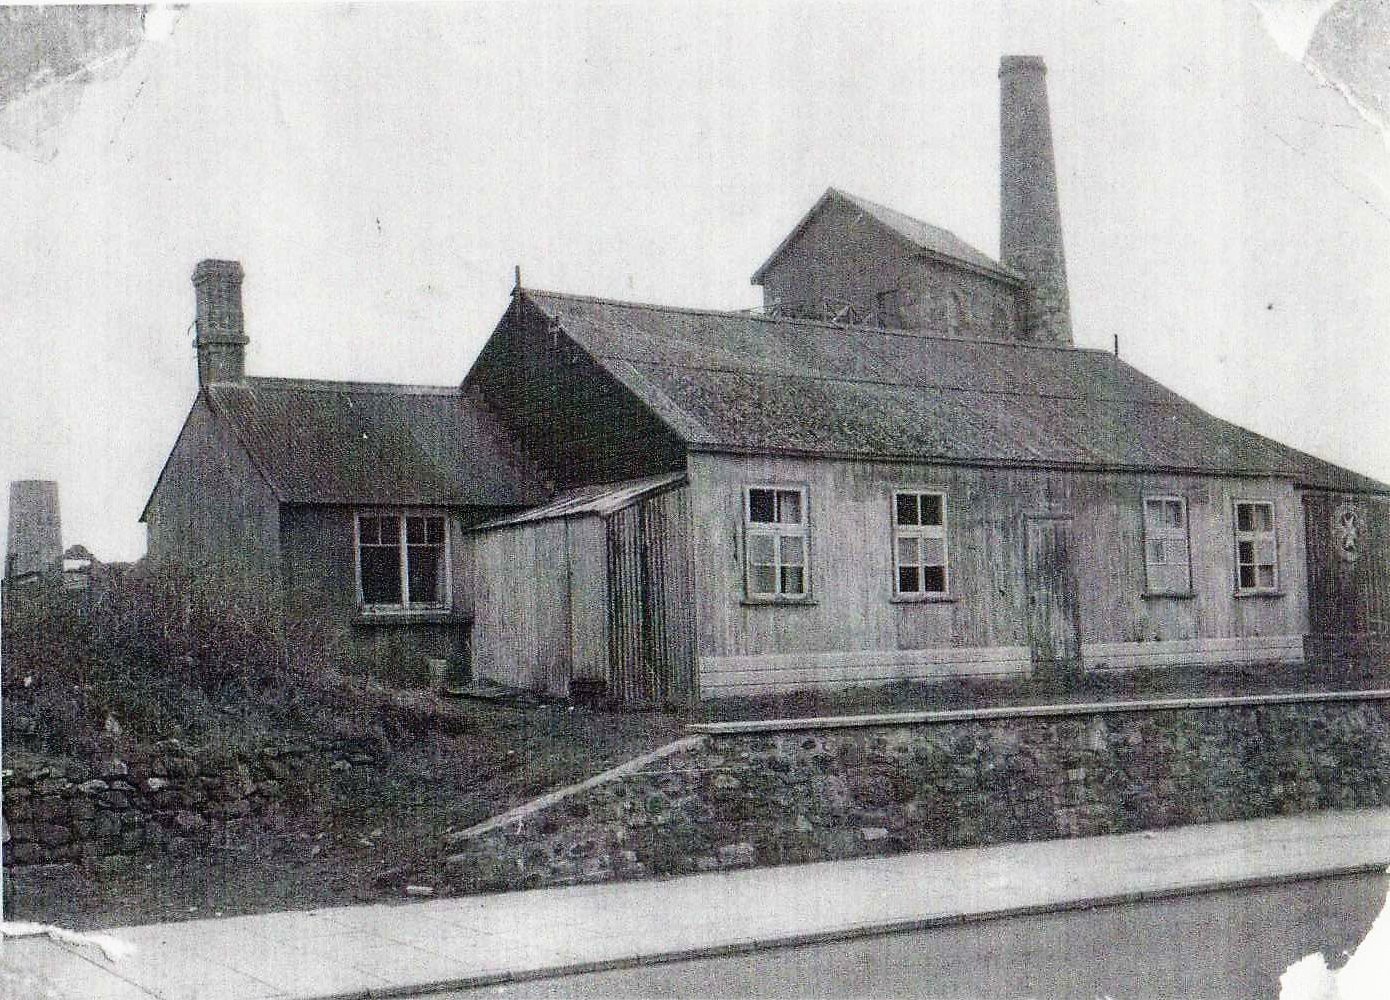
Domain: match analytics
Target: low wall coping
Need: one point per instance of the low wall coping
(560, 794)
(1027, 712)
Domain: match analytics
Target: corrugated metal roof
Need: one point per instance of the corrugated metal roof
(363, 442)
(923, 235)
(601, 500)
(735, 381)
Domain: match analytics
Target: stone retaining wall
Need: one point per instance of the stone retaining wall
(177, 799)
(766, 798)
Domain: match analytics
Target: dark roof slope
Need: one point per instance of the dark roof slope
(736, 381)
(923, 236)
(360, 442)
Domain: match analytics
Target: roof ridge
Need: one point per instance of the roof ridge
(696, 310)
(820, 323)
(862, 380)
(331, 385)
(851, 196)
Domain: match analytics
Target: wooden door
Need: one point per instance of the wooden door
(1054, 633)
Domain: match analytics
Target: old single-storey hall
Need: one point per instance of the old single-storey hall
(900, 468)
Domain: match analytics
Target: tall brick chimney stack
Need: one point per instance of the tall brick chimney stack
(1030, 225)
(221, 340)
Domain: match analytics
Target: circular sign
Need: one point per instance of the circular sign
(1348, 531)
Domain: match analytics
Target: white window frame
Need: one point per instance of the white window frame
(776, 531)
(920, 531)
(1162, 532)
(1255, 536)
(404, 604)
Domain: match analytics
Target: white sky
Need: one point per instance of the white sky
(379, 169)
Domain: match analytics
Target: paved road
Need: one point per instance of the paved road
(1226, 944)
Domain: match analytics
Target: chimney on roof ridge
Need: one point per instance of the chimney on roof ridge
(1030, 223)
(221, 334)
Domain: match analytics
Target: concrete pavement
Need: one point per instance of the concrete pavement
(398, 950)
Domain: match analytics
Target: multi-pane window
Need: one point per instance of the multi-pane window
(1257, 554)
(775, 542)
(1167, 563)
(401, 559)
(919, 544)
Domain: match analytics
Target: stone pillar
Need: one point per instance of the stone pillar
(34, 544)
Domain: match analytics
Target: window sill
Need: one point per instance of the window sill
(778, 602)
(923, 599)
(1172, 595)
(1259, 593)
(407, 616)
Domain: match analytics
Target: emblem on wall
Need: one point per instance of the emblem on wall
(1348, 531)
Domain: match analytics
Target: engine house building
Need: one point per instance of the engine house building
(901, 468)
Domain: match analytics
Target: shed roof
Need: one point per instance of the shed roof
(923, 236)
(734, 381)
(598, 500)
(367, 442)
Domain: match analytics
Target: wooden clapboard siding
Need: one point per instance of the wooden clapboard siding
(586, 546)
(651, 621)
(521, 607)
(569, 415)
(722, 677)
(1348, 598)
(851, 558)
(212, 510)
(1102, 656)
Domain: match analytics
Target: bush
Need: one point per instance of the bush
(156, 652)
(210, 631)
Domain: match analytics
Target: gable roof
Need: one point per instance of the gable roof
(374, 443)
(923, 236)
(741, 382)
(600, 500)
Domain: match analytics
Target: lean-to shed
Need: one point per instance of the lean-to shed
(590, 590)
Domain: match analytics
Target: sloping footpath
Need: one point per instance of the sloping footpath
(405, 949)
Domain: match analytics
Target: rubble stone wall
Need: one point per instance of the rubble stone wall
(177, 799)
(769, 798)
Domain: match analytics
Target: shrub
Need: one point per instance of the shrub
(157, 652)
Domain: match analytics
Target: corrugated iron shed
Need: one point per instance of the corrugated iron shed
(361, 442)
(931, 240)
(601, 500)
(734, 381)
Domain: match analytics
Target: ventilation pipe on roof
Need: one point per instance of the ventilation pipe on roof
(1030, 225)
(221, 338)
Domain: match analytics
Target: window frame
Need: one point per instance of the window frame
(777, 531)
(1237, 536)
(917, 531)
(404, 605)
(1170, 534)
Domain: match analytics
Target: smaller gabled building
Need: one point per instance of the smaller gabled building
(850, 260)
(340, 503)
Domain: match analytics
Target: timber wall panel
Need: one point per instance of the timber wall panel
(521, 607)
(212, 509)
(752, 675)
(651, 623)
(851, 558)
